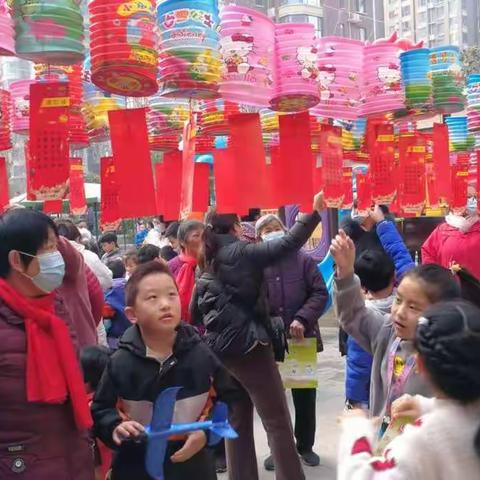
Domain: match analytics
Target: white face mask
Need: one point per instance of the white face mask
(52, 271)
(472, 206)
(268, 237)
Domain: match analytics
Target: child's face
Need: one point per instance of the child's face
(157, 306)
(130, 266)
(408, 307)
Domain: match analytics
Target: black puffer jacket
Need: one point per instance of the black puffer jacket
(232, 303)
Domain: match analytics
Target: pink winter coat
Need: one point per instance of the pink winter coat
(447, 245)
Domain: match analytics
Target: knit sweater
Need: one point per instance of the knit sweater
(439, 447)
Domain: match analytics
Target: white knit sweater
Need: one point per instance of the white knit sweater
(440, 447)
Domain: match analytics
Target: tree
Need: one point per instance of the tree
(471, 60)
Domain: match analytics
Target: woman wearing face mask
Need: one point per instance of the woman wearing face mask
(457, 240)
(44, 410)
(296, 293)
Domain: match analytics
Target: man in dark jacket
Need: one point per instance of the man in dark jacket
(297, 293)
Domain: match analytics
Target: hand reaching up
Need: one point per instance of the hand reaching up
(319, 202)
(377, 214)
(343, 252)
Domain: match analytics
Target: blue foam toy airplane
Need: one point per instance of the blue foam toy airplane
(161, 428)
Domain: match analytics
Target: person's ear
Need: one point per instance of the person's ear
(15, 261)
(130, 313)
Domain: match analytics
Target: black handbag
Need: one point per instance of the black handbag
(278, 336)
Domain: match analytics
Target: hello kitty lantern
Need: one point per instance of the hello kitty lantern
(340, 70)
(123, 46)
(49, 31)
(382, 87)
(247, 46)
(20, 91)
(296, 72)
(189, 57)
(7, 40)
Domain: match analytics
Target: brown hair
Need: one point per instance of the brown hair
(142, 271)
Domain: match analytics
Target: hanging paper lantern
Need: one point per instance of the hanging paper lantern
(340, 66)
(447, 79)
(296, 70)
(214, 114)
(382, 86)
(49, 31)
(13, 69)
(163, 143)
(189, 59)
(167, 115)
(21, 106)
(204, 144)
(247, 45)
(416, 80)
(72, 74)
(7, 41)
(123, 46)
(473, 103)
(460, 140)
(5, 126)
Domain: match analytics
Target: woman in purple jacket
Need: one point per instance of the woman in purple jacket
(297, 293)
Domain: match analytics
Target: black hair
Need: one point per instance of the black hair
(94, 360)
(375, 269)
(148, 253)
(109, 237)
(23, 230)
(439, 284)
(168, 253)
(188, 227)
(117, 267)
(470, 285)
(448, 341)
(217, 224)
(172, 230)
(142, 271)
(150, 224)
(67, 229)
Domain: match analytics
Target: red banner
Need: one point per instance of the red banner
(249, 165)
(460, 183)
(188, 168)
(331, 151)
(201, 188)
(347, 188)
(4, 191)
(171, 185)
(136, 190)
(412, 167)
(293, 173)
(78, 202)
(109, 213)
(48, 164)
(441, 162)
(364, 192)
(382, 165)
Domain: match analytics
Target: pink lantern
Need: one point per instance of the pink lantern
(7, 32)
(382, 86)
(296, 70)
(247, 41)
(340, 65)
(20, 91)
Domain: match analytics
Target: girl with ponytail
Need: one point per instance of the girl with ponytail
(444, 443)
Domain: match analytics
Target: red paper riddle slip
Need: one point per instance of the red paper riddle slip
(188, 168)
(382, 165)
(48, 161)
(331, 151)
(293, 174)
(110, 214)
(4, 190)
(364, 192)
(460, 183)
(78, 202)
(441, 161)
(131, 151)
(347, 188)
(171, 186)
(201, 187)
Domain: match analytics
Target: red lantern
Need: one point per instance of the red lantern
(123, 45)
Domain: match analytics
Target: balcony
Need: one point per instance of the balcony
(295, 7)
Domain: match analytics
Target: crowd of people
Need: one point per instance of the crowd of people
(92, 334)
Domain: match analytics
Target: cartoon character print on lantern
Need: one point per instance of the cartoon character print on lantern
(307, 58)
(326, 77)
(390, 76)
(235, 50)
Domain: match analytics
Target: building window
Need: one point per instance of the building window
(316, 21)
(405, 10)
(342, 29)
(405, 26)
(315, 3)
(392, 14)
(363, 34)
(422, 17)
(361, 6)
(422, 3)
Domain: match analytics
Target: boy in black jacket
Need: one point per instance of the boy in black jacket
(156, 353)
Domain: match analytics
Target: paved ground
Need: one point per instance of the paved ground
(329, 406)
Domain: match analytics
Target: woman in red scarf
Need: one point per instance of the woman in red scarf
(183, 267)
(44, 412)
